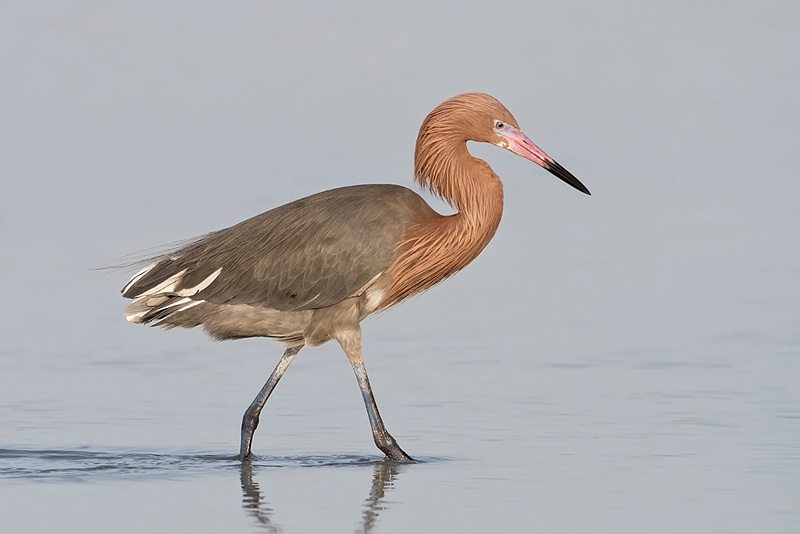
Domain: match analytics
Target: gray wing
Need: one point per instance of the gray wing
(311, 253)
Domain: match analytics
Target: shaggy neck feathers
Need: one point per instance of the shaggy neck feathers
(437, 247)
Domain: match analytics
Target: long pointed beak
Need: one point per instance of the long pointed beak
(518, 143)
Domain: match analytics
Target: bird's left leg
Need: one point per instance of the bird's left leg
(251, 415)
(350, 340)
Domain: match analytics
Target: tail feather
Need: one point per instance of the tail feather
(162, 296)
(153, 278)
(168, 311)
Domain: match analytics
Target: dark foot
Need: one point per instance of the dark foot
(399, 456)
(391, 449)
(249, 425)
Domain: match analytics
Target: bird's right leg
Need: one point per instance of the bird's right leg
(351, 344)
(251, 415)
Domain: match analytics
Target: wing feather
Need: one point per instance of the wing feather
(310, 253)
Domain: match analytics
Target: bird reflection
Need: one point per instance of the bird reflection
(252, 500)
(254, 504)
(382, 481)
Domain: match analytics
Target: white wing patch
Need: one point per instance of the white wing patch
(134, 317)
(164, 296)
(138, 275)
(374, 296)
(167, 286)
(189, 291)
(191, 304)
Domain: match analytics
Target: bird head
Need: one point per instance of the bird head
(482, 118)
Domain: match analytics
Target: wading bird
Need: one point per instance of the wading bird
(312, 270)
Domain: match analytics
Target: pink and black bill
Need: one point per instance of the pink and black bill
(518, 143)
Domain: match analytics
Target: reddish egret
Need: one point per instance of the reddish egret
(313, 269)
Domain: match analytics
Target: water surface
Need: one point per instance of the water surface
(624, 362)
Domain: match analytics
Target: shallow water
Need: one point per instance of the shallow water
(611, 442)
(624, 362)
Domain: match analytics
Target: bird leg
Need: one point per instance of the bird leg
(351, 344)
(251, 415)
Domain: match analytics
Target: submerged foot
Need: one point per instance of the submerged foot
(387, 444)
(249, 424)
(399, 456)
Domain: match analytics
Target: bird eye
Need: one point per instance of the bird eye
(499, 125)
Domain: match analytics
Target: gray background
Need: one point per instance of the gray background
(618, 362)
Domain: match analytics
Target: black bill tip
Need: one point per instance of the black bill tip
(566, 176)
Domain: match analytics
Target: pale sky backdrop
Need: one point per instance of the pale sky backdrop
(127, 125)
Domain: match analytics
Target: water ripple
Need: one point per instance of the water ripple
(84, 465)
